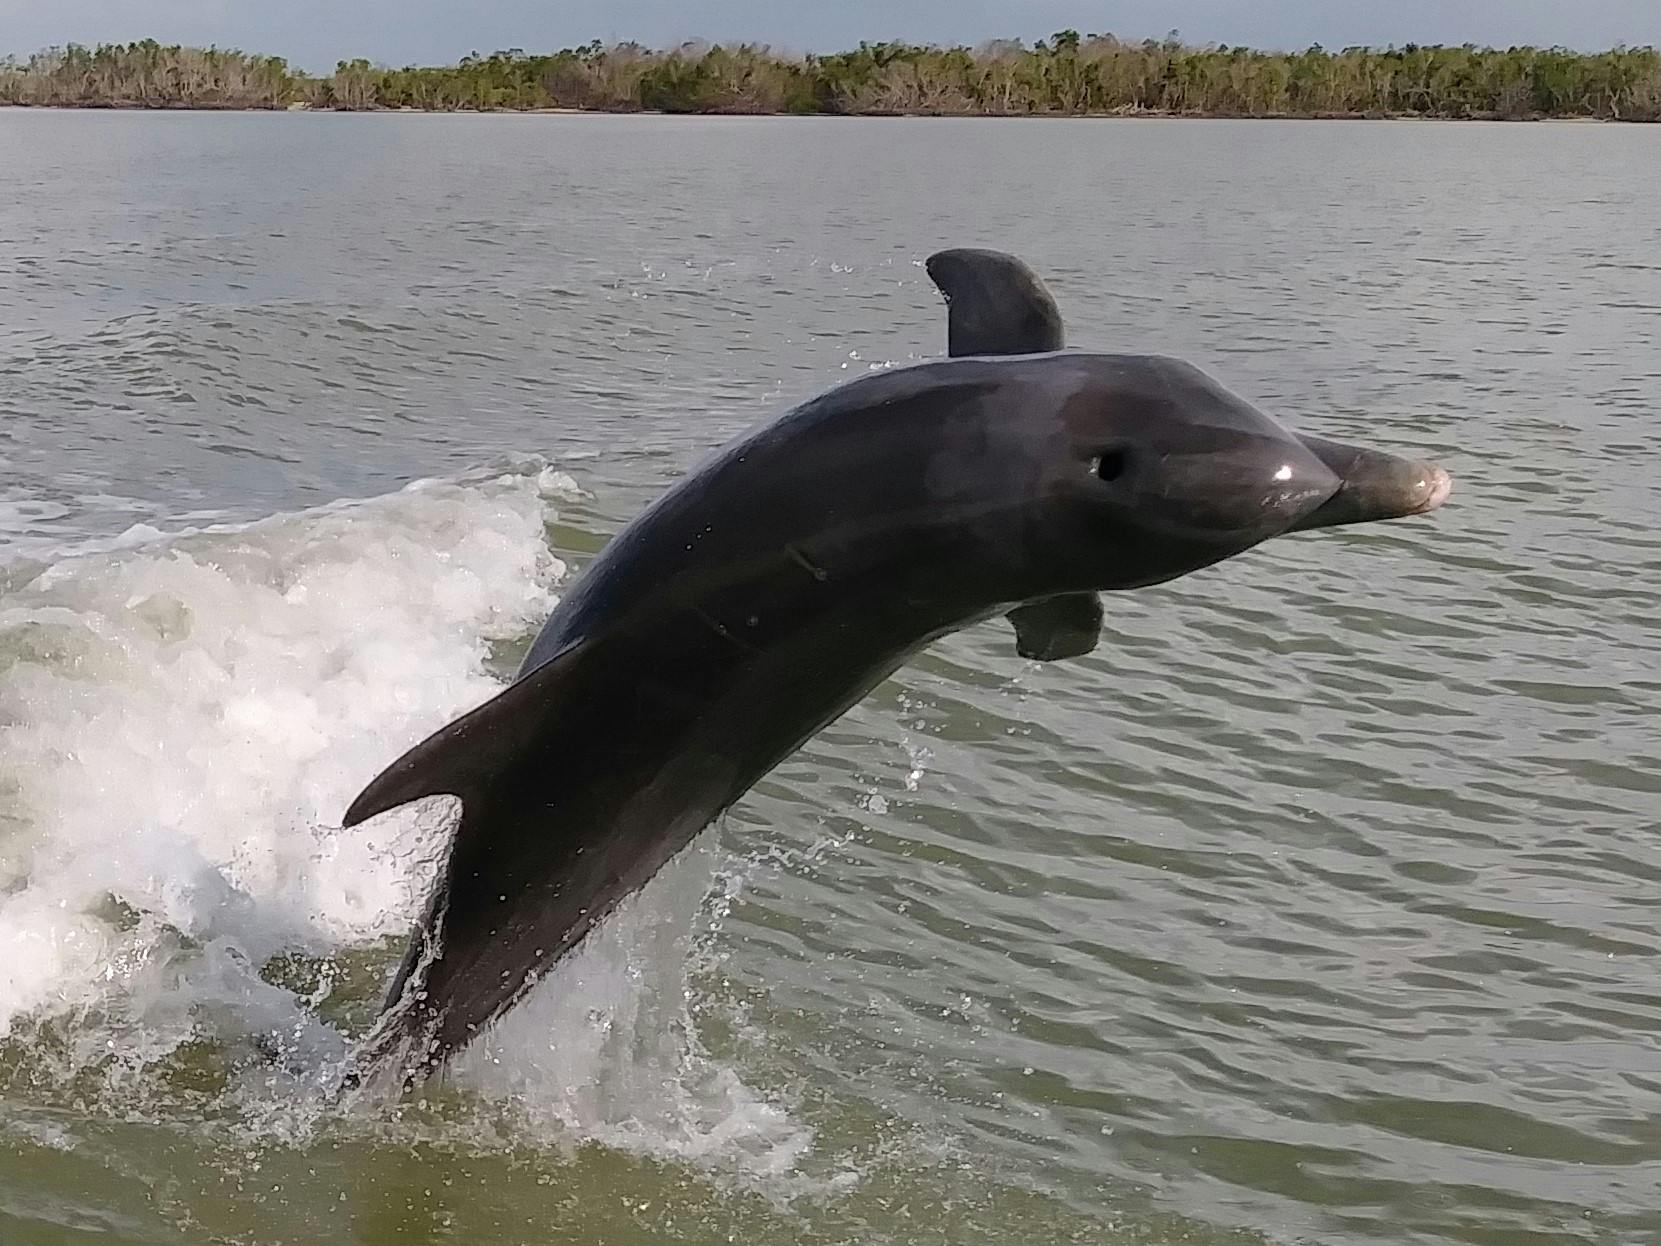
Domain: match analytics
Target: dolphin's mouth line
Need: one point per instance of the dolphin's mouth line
(1373, 485)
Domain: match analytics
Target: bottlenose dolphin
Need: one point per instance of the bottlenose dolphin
(774, 586)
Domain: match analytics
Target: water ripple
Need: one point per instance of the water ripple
(1316, 905)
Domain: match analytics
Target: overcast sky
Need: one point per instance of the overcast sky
(316, 33)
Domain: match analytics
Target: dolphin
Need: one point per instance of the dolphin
(774, 586)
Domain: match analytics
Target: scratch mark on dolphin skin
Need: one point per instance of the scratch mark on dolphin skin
(807, 564)
(720, 629)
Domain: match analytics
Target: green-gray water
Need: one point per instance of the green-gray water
(1318, 905)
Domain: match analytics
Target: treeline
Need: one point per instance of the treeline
(1067, 74)
(148, 75)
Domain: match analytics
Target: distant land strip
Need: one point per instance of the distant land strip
(1066, 75)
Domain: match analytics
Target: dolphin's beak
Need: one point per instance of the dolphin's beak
(1374, 486)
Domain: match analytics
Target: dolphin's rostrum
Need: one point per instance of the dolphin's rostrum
(778, 583)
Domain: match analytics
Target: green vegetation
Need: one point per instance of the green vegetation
(147, 75)
(1067, 74)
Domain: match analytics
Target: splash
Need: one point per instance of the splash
(183, 718)
(607, 1047)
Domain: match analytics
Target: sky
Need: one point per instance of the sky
(314, 34)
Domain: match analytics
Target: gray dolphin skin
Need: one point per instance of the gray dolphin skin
(778, 583)
(995, 304)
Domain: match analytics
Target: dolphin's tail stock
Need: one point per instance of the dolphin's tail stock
(401, 1048)
(470, 759)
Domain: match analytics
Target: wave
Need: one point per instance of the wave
(183, 718)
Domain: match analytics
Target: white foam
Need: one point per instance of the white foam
(183, 719)
(184, 716)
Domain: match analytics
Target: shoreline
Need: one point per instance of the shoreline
(1143, 114)
(1066, 75)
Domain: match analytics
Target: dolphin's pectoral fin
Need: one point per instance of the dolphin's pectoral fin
(464, 758)
(1067, 625)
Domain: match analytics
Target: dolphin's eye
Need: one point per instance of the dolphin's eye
(1110, 464)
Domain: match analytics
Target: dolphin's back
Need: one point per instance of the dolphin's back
(840, 465)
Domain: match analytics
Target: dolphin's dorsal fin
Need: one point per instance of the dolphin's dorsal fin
(996, 305)
(465, 757)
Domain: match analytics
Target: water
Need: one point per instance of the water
(1317, 905)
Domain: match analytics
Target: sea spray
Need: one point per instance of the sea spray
(185, 930)
(183, 718)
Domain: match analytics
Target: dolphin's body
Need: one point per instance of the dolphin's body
(776, 585)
